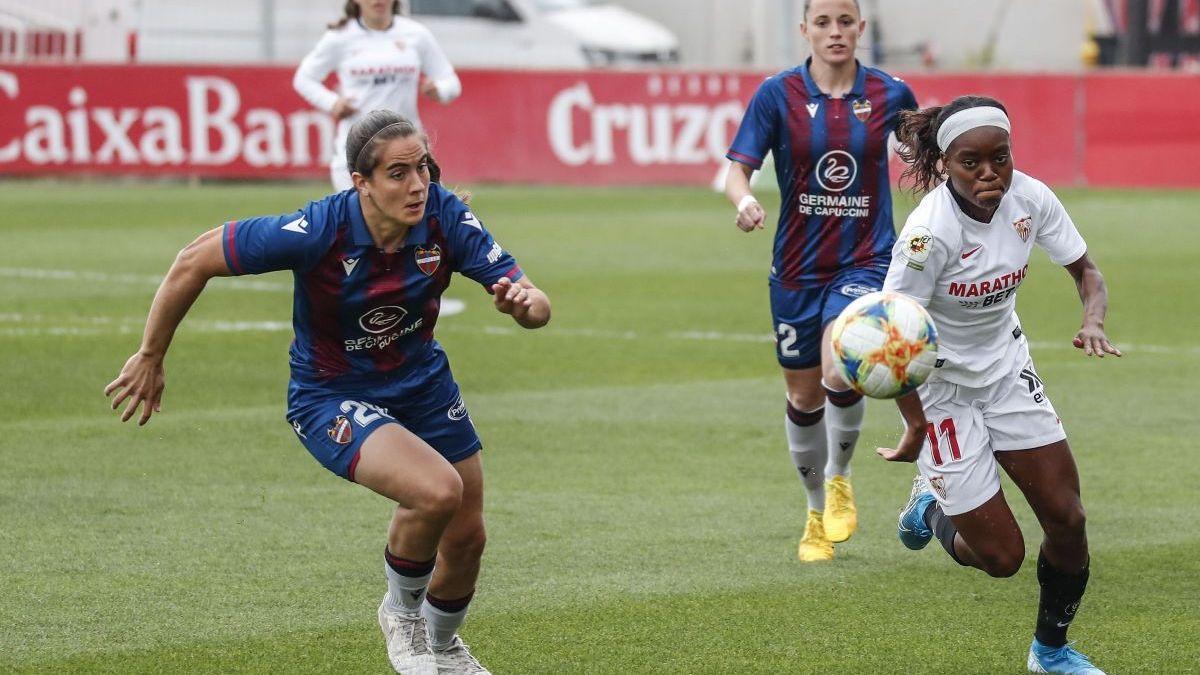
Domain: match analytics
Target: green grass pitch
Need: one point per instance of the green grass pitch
(643, 512)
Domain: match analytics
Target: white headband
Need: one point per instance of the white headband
(965, 120)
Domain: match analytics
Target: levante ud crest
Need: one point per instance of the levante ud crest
(340, 431)
(862, 109)
(428, 259)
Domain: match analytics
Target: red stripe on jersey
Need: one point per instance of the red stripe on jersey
(829, 237)
(746, 159)
(385, 287)
(441, 280)
(323, 292)
(874, 146)
(231, 244)
(799, 129)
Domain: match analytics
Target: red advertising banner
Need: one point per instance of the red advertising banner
(569, 127)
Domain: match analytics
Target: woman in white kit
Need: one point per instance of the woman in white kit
(963, 254)
(382, 60)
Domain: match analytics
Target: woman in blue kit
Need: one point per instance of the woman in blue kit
(826, 123)
(371, 394)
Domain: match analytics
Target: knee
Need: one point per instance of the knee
(1004, 561)
(465, 545)
(832, 378)
(1067, 523)
(441, 499)
(806, 401)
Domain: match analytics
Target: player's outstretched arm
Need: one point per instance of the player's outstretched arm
(750, 214)
(526, 303)
(910, 443)
(141, 380)
(1094, 294)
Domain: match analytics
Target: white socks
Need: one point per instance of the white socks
(807, 443)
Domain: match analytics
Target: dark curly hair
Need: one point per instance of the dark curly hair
(917, 133)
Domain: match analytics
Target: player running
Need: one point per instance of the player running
(371, 394)
(826, 123)
(382, 60)
(963, 254)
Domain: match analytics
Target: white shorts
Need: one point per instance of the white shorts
(967, 425)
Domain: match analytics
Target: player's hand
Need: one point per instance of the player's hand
(429, 89)
(343, 108)
(141, 381)
(1093, 342)
(512, 299)
(908, 449)
(750, 216)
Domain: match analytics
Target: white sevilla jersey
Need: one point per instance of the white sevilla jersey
(376, 69)
(967, 273)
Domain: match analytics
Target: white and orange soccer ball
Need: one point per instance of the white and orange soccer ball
(884, 344)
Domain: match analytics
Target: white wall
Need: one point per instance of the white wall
(1031, 35)
(753, 34)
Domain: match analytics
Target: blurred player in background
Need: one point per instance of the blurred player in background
(963, 254)
(371, 393)
(827, 123)
(382, 60)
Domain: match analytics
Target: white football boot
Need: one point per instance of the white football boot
(407, 642)
(457, 660)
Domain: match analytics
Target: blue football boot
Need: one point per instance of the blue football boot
(1064, 659)
(911, 527)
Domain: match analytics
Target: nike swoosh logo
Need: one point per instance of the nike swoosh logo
(970, 253)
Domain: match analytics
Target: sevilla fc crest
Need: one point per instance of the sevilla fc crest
(938, 483)
(428, 259)
(862, 109)
(340, 430)
(1022, 227)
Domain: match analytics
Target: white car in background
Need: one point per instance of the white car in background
(545, 33)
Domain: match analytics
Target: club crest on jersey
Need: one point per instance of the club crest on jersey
(938, 484)
(862, 109)
(428, 259)
(400, 45)
(1021, 225)
(340, 430)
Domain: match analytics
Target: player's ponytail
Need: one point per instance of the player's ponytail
(352, 11)
(917, 133)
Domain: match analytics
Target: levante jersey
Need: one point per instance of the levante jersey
(360, 315)
(831, 161)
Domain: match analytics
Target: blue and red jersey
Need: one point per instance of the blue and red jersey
(361, 315)
(831, 161)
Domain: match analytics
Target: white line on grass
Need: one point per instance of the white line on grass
(138, 279)
(451, 306)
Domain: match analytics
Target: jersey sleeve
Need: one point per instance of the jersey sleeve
(475, 253)
(309, 80)
(918, 258)
(270, 243)
(436, 67)
(1056, 233)
(907, 100)
(757, 132)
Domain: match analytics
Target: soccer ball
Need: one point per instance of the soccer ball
(884, 344)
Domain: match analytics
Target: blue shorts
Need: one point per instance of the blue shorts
(800, 316)
(333, 424)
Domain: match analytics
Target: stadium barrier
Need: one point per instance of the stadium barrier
(557, 127)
